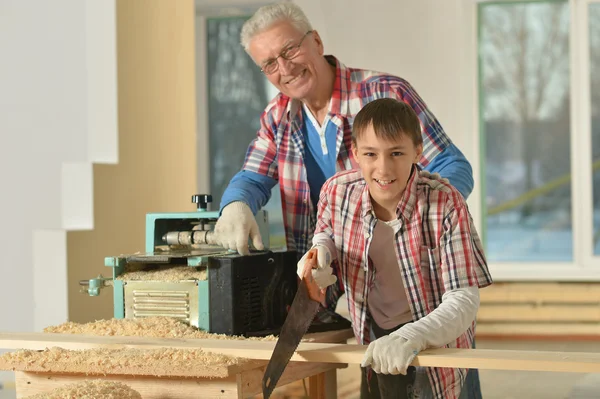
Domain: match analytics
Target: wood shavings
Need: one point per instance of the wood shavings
(130, 361)
(95, 389)
(156, 327)
(163, 362)
(171, 274)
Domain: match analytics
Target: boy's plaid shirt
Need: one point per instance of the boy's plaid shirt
(278, 150)
(437, 247)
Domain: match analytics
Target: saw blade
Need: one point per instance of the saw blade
(301, 314)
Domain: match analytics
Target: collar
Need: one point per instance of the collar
(339, 103)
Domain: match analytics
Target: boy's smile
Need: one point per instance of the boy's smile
(386, 166)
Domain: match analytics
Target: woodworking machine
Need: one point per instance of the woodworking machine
(227, 293)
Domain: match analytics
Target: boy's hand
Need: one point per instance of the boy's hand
(323, 274)
(390, 354)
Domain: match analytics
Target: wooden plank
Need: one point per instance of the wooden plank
(93, 363)
(539, 329)
(336, 336)
(250, 381)
(541, 293)
(533, 313)
(326, 353)
(28, 384)
(66, 363)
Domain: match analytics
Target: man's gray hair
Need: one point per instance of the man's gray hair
(268, 15)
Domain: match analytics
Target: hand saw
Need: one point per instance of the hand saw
(302, 312)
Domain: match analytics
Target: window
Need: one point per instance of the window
(594, 48)
(236, 93)
(539, 90)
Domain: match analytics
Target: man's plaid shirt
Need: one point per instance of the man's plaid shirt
(278, 150)
(437, 247)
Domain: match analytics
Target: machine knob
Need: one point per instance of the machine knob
(202, 201)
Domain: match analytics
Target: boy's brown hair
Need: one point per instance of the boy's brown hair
(390, 119)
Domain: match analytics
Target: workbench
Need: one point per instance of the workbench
(317, 359)
(240, 381)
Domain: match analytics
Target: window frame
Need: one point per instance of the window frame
(585, 265)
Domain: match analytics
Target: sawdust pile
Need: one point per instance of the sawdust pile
(171, 274)
(163, 362)
(156, 327)
(130, 361)
(97, 389)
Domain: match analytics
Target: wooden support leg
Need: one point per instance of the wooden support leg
(316, 386)
(323, 385)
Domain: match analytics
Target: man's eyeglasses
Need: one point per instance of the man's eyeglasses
(270, 66)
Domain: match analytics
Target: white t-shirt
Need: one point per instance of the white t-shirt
(387, 299)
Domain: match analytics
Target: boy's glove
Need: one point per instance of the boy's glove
(391, 354)
(323, 274)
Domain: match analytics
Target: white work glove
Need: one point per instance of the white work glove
(323, 274)
(233, 228)
(390, 354)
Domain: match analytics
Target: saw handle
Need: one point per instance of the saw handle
(314, 292)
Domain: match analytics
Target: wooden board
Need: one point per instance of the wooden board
(541, 293)
(541, 310)
(324, 353)
(243, 385)
(539, 330)
(28, 384)
(91, 362)
(535, 313)
(66, 365)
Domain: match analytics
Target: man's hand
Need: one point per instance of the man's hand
(390, 354)
(233, 228)
(323, 273)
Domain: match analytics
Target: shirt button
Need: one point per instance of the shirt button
(303, 235)
(304, 201)
(367, 235)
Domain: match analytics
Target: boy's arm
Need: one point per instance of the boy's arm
(463, 270)
(392, 354)
(324, 237)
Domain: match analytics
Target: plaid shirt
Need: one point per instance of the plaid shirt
(437, 247)
(278, 150)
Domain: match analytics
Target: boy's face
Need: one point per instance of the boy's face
(386, 165)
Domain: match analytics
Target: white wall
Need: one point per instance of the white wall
(57, 116)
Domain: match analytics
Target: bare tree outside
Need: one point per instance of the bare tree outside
(524, 53)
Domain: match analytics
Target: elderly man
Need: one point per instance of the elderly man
(306, 133)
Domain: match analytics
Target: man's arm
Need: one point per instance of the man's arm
(452, 164)
(436, 143)
(248, 191)
(249, 187)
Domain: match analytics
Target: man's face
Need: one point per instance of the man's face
(386, 165)
(297, 78)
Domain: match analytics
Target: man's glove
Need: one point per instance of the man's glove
(390, 354)
(233, 228)
(323, 273)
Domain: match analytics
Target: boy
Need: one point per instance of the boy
(402, 245)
